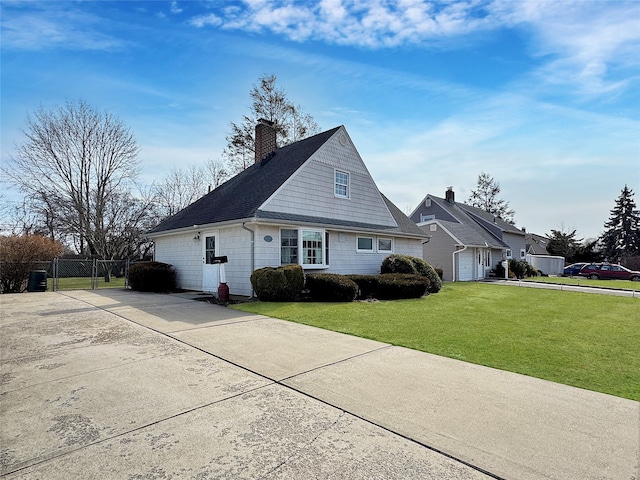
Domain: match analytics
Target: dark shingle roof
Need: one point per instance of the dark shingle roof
(241, 196)
(468, 230)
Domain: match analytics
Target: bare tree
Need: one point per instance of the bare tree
(271, 103)
(76, 164)
(183, 186)
(485, 197)
(216, 173)
(178, 189)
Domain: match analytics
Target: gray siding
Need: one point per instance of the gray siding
(310, 191)
(438, 252)
(516, 243)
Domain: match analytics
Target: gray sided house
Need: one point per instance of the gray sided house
(311, 203)
(464, 241)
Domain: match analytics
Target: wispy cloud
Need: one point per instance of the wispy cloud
(578, 45)
(175, 9)
(47, 26)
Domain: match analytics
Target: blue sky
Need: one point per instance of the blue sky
(542, 95)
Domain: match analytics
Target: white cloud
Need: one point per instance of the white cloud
(579, 46)
(46, 27)
(175, 9)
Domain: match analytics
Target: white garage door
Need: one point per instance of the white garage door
(465, 265)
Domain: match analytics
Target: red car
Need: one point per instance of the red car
(609, 271)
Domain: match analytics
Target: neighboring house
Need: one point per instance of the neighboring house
(311, 203)
(465, 242)
(536, 244)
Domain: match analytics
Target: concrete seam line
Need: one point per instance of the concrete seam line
(204, 327)
(384, 347)
(406, 437)
(279, 382)
(141, 427)
(83, 373)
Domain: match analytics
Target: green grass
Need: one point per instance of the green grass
(585, 340)
(84, 283)
(585, 282)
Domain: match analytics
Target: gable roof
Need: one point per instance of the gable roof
(466, 229)
(491, 218)
(240, 197)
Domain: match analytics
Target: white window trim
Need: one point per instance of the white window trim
(378, 244)
(297, 246)
(348, 185)
(373, 244)
(509, 253)
(310, 266)
(523, 253)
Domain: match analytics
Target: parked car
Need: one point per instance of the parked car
(609, 271)
(573, 269)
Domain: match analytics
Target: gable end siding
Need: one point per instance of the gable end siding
(310, 191)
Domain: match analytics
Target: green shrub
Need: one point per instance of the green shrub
(367, 285)
(278, 284)
(152, 277)
(517, 269)
(396, 263)
(329, 287)
(295, 278)
(392, 286)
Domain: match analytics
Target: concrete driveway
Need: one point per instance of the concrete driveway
(119, 384)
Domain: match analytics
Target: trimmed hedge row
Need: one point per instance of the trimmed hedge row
(391, 286)
(412, 265)
(278, 284)
(152, 277)
(330, 287)
(402, 276)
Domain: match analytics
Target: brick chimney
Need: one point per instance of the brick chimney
(265, 140)
(449, 195)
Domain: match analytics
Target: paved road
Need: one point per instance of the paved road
(117, 384)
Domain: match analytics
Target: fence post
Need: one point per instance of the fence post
(94, 274)
(54, 281)
(126, 273)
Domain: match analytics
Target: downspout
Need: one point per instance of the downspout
(253, 252)
(453, 258)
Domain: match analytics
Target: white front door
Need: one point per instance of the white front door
(210, 270)
(480, 263)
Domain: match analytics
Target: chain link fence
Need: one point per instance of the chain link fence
(85, 274)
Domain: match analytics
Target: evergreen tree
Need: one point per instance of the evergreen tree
(563, 244)
(622, 231)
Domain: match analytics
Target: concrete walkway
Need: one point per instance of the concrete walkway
(118, 384)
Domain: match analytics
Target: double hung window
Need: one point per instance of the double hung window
(306, 247)
(341, 184)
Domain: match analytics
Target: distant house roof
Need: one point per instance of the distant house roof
(240, 197)
(466, 228)
(536, 244)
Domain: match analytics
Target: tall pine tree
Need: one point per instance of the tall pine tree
(622, 231)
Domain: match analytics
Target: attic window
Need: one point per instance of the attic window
(341, 189)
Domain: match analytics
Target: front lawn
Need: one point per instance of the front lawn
(580, 339)
(84, 283)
